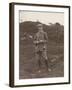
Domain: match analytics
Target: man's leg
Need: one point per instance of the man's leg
(44, 54)
(38, 58)
(46, 60)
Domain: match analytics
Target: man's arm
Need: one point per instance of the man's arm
(46, 37)
(35, 39)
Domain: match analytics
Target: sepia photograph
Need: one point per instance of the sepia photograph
(39, 44)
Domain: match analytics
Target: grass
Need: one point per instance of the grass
(28, 67)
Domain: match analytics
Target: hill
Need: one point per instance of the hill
(55, 31)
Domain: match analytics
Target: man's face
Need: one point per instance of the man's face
(40, 28)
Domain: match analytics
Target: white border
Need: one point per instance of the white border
(16, 46)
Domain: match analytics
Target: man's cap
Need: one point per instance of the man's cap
(39, 25)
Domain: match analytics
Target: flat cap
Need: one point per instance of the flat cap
(39, 25)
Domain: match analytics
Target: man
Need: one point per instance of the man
(40, 41)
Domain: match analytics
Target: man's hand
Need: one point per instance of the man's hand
(39, 42)
(36, 42)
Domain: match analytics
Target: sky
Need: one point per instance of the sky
(44, 17)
